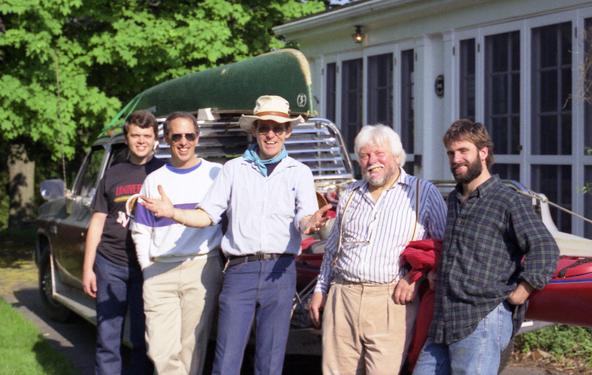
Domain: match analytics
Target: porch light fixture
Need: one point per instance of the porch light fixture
(358, 35)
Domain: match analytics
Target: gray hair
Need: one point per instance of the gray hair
(380, 135)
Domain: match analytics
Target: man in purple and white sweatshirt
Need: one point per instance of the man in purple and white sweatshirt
(181, 265)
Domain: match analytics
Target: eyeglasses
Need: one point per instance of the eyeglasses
(277, 129)
(190, 137)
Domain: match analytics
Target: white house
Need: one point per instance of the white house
(517, 66)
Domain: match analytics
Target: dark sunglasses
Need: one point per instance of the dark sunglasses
(190, 137)
(277, 129)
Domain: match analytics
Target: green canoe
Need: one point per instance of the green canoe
(231, 88)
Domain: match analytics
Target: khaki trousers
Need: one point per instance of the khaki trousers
(180, 300)
(364, 331)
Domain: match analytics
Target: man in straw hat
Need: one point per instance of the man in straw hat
(269, 199)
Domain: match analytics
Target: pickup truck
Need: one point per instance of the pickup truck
(217, 97)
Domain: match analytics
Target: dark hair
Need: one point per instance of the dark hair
(143, 119)
(176, 115)
(474, 132)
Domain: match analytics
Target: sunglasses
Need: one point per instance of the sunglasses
(190, 137)
(277, 129)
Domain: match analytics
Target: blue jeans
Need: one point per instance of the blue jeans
(259, 292)
(477, 354)
(119, 288)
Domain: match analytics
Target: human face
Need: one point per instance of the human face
(182, 150)
(379, 165)
(140, 142)
(466, 161)
(271, 137)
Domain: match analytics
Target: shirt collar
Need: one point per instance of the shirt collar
(482, 190)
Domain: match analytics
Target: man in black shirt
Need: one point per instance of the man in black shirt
(496, 251)
(111, 273)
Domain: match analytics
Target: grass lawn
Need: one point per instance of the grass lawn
(24, 350)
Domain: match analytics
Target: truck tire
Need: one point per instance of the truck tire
(52, 308)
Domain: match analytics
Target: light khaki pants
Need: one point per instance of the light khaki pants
(180, 300)
(364, 331)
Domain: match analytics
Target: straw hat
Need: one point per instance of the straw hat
(269, 107)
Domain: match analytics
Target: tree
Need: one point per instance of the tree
(67, 65)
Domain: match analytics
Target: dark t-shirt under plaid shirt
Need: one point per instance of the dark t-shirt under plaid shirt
(485, 240)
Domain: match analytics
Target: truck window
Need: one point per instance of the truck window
(87, 181)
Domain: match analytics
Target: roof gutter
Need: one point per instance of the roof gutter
(347, 12)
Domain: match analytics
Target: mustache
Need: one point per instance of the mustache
(375, 165)
(456, 165)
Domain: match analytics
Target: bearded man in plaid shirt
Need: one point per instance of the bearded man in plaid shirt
(496, 251)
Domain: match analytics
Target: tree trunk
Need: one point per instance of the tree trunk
(21, 187)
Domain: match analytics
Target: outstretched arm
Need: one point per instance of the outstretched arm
(163, 207)
(313, 223)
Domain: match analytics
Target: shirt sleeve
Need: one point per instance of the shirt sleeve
(217, 198)
(537, 243)
(436, 212)
(331, 247)
(306, 199)
(141, 228)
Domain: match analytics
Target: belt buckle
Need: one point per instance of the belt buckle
(260, 255)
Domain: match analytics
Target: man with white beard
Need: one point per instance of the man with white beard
(370, 305)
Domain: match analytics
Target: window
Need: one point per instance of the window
(502, 91)
(331, 91)
(555, 182)
(588, 202)
(467, 78)
(89, 174)
(551, 90)
(407, 101)
(380, 89)
(351, 100)
(587, 92)
(507, 171)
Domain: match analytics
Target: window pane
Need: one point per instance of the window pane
(551, 90)
(555, 182)
(507, 171)
(588, 89)
(467, 78)
(407, 101)
(88, 179)
(351, 100)
(380, 89)
(502, 91)
(331, 92)
(588, 201)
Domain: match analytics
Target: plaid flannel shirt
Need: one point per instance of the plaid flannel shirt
(485, 241)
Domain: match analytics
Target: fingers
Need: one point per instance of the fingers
(163, 195)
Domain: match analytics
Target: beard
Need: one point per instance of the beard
(474, 170)
(380, 181)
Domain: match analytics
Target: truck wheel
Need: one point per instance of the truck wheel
(52, 308)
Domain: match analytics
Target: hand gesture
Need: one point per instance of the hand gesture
(89, 283)
(317, 304)
(404, 292)
(162, 207)
(317, 220)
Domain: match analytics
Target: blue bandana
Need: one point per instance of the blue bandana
(252, 155)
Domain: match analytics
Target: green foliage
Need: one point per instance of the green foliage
(23, 350)
(67, 65)
(563, 342)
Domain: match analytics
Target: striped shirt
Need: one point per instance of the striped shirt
(375, 233)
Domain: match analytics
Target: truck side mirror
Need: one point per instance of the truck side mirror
(52, 189)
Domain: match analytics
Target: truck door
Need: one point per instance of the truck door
(69, 242)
